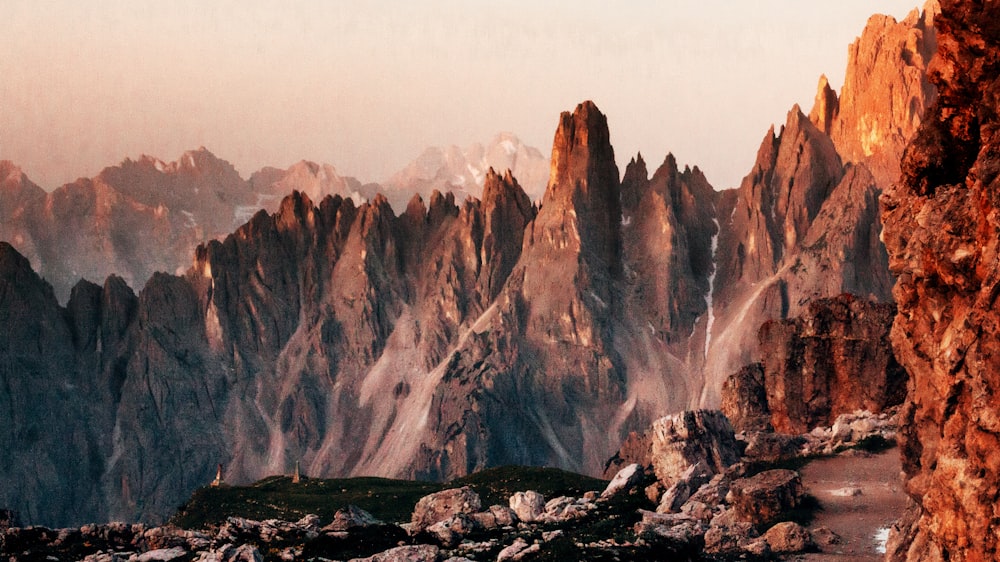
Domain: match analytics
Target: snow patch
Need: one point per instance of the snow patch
(711, 288)
(881, 540)
(598, 299)
(191, 222)
(477, 174)
(508, 147)
(457, 181)
(160, 166)
(626, 221)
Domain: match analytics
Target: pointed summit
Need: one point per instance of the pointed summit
(583, 196)
(826, 106)
(582, 158)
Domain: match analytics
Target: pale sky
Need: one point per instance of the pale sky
(366, 86)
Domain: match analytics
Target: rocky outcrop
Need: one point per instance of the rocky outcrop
(440, 506)
(58, 365)
(802, 226)
(885, 93)
(676, 443)
(744, 399)
(940, 231)
(834, 359)
(765, 497)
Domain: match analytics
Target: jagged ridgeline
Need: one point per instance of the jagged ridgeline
(453, 336)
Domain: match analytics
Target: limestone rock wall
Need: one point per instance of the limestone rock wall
(941, 225)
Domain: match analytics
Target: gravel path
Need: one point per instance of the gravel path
(859, 494)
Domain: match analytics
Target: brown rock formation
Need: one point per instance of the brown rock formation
(885, 91)
(802, 226)
(941, 233)
(763, 498)
(675, 443)
(832, 360)
(744, 399)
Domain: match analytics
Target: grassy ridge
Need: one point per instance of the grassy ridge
(392, 501)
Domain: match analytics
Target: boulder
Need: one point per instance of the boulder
(412, 553)
(451, 531)
(772, 447)
(245, 553)
(689, 482)
(496, 516)
(528, 506)
(683, 440)
(625, 481)
(788, 537)
(731, 539)
(766, 497)
(825, 536)
(442, 505)
(517, 550)
(677, 530)
(744, 399)
(351, 517)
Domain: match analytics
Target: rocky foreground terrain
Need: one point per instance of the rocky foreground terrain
(707, 494)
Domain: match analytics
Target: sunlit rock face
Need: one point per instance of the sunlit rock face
(886, 91)
(941, 225)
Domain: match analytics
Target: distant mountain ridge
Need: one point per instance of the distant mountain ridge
(463, 171)
(431, 342)
(146, 215)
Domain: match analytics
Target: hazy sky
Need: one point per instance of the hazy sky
(366, 86)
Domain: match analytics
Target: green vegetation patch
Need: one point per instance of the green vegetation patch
(496, 485)
(277, 497)
(392, 501)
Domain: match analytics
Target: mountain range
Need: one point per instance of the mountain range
(354, 337)
(143, 216)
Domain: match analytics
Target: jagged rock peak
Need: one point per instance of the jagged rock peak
(416, 209)
(191, 160)
(9, 169)
(885, 91)
(497, 188)
(636, 175)
(825, 107)
(582, 157)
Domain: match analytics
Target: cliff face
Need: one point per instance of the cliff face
(833, 359)
(941, 233)
(885, 91)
